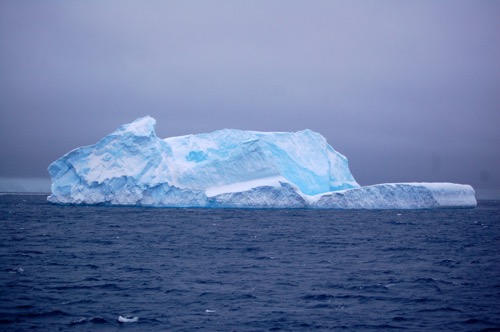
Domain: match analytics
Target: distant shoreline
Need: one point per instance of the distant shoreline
(21, 193)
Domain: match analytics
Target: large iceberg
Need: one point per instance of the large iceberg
(230, 168)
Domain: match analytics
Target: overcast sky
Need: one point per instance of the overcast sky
(407, 90)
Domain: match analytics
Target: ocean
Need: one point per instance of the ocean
(81, 268)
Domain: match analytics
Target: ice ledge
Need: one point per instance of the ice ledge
(285, 195)
(243, 186)
(414, 195)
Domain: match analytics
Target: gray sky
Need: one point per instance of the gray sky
(407, 90)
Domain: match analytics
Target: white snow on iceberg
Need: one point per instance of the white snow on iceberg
(229, 168)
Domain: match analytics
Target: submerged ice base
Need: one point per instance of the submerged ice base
(230, 168)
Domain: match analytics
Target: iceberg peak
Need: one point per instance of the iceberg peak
(229, 168)
(144, 126)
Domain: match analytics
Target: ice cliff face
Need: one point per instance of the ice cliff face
(226, 168)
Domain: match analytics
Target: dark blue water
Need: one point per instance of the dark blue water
(70, 268)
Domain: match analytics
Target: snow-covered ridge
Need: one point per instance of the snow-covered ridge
(229, 168)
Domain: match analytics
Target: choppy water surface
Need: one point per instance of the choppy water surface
(79, 268)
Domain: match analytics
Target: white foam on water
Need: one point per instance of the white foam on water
(127, 319)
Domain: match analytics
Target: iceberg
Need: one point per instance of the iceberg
(230, 168)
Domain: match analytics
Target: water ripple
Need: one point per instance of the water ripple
(80, 268)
